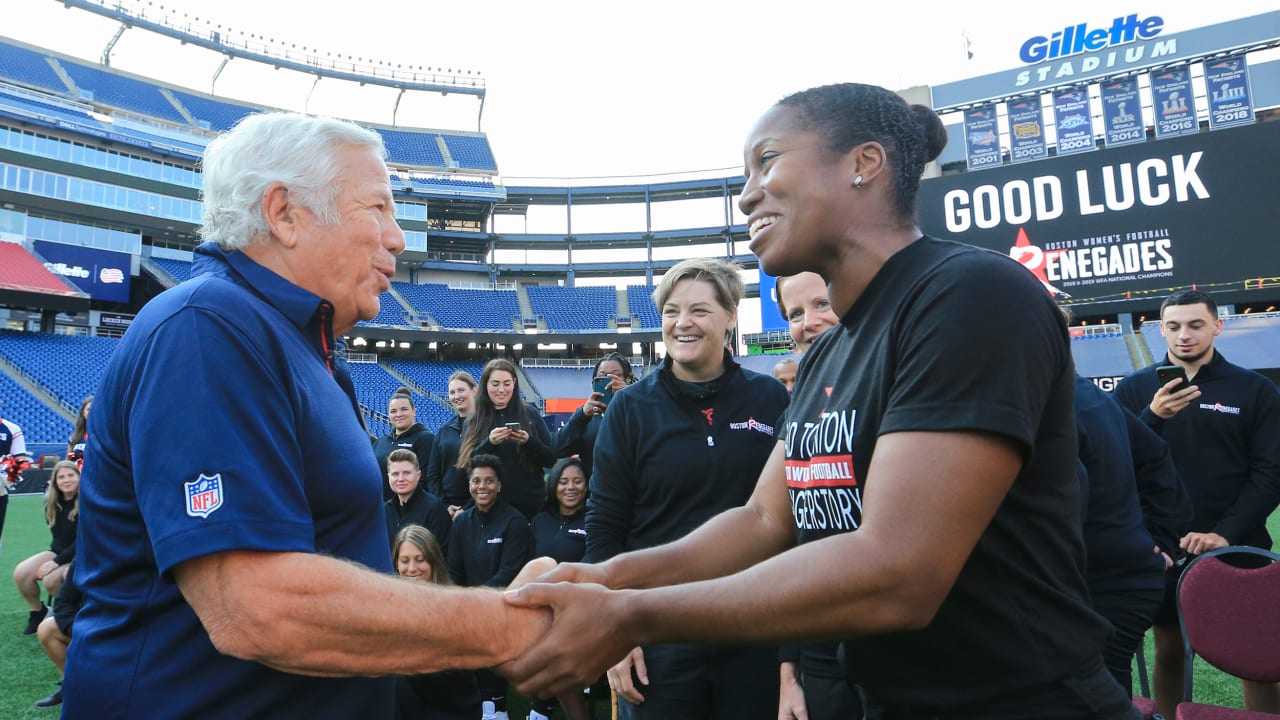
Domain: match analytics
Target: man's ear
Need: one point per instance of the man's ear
(280, 214)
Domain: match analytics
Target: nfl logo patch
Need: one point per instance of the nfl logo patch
(204, 495)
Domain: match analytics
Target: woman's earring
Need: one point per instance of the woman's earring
(857, 181)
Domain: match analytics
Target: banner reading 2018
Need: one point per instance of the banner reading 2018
(1128, 223)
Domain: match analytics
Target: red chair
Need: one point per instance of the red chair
(1231, 617)
(1142, 701)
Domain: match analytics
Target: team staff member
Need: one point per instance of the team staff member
(491, 541)
(914, 474)
(578, 436)
(685, 443)
(1135, 512)
(246, 573)
(444, 478)
(1223, 429)
(406, 433)
(410, 504)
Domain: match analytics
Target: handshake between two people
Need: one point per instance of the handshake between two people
(586, 627)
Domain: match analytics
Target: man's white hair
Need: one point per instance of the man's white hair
(298, 151)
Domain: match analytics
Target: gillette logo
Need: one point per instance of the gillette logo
(1076, 39)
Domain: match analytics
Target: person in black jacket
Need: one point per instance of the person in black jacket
(675, 449)
(505, 426)
(578, 436)
(560, 533)
(411, 505)
(1223, 428)
(406, 432)
(488, 545)
(49, 567)
(1135, 511)
(444, 478)
(445, 695)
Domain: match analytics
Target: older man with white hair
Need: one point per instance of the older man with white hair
(233, 550)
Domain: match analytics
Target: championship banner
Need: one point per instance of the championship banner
(1226, 83)
(103, 274)
(1122, 113)
(1125, 227)
(1026, 130)
(1072, 119)
(1171, 98)
(981, 137)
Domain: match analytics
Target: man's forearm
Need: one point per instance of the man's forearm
(315, 615)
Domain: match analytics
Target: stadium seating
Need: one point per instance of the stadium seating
(27, 106)
(412, 147)
(470, 152)
(67, 365)
(1251, 341)
(220, 115)
(28, 67)
(640, 303)
(39, 423)
(390, 312)
(463, 308)
(123, 92)
(1101, 355)
(560, 382)
(574, 308)
(179, 269)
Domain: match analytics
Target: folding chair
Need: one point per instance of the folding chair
(1142, 701)
(1229, 617)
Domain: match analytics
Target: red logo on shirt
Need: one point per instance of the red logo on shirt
(708, 413)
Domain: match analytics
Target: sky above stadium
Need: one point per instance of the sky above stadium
(582, 89)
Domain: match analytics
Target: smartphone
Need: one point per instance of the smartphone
(600, 384)
(513, 426)
(1165, 373)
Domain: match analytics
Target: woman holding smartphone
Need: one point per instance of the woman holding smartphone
(504, 425)
(578, 436)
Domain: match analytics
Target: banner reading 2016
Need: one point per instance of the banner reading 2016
(1172, 101)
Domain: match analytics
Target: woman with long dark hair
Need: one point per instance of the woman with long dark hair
(505, 426)
(80, 434)
(444, 477)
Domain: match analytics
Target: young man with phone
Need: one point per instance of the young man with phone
(1222, 423)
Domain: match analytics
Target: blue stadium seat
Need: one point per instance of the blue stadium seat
(69, 366)
(463, 308)
(390, 312)
(412, 147)
(576, 308)
(123, 92)
(179, 269)
(220, 115)
(640, 303)
(27, 67)
(470, 152)
(39, 422)
(1101, 355)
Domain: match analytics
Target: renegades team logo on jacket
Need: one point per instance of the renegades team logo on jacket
(204, 495)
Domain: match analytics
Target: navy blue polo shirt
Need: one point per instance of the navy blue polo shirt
(217, 426)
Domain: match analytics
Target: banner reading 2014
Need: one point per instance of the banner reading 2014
(1122, 113)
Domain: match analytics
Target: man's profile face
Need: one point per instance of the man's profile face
(1189, 331)
(351, 263)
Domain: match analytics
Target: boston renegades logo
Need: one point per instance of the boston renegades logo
(204, 495)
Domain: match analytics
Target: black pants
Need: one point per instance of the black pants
(830, 698)
(492, 687)
(1131, 614)
(702, 682)
(1088, 693)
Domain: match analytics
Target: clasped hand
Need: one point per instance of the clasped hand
(588, 633)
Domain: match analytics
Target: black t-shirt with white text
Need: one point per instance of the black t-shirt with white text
(950, 338)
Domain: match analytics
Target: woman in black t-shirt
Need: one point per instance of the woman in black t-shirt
(926, 463)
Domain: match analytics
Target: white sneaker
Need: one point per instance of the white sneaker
(500, 715)
(535, 715)
(487, 710)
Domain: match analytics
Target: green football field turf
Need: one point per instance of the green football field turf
(28, 674)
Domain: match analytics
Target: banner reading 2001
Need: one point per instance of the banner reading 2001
(981, 137)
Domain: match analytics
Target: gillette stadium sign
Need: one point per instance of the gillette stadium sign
(1091, 50)
(103, 274)
(1128, 223)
